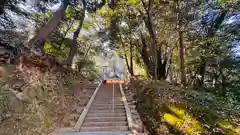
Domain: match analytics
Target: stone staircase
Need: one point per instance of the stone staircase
(103, 116)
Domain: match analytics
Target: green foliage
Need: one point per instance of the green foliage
(55, 51)
(87, 24)
(166, 110)
(133, 2)
(88, 70)
(68, 14)
(48, 14)
(147, 26)
(105, 13)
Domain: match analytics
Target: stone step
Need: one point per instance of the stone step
(105, 119)
(105, 99)
(98, 133)
(104, 124)
(109, 107)
(109, 96)
(107, 104)
(107, 110)
(102, 129)
(97, 114)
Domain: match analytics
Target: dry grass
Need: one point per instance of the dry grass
(45, 99)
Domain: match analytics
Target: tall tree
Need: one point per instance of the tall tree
(90, 6)
(131, 58)
(125, 53)
(113, 30)
(151, 29)
(210, 33)
(50, 26)
(181, 43)
(74, 44)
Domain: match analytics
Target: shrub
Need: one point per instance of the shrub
(166, 109)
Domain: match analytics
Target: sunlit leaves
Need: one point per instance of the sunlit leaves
(133, 2)
(48, 14)
(225, 1)
(106, 13)
(51, 49)
(86, 25)
(68, 14)
(108, 23)
(74, 12)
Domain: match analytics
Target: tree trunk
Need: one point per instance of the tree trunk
(217, 23)
(161, 70)
(182, 59)
(131, 59)
(73, 46)
(65, 34)
(181, 44)
(154, 46)
(145, 57)
(112, 4)
(71, 54)
(125, 54)
(41, 45)
(223, 83)
(50, 26)
(201, 72)
(149, 24)
(84, 58)
(126, 59)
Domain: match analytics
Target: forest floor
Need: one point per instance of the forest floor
(167, 109)
(38, 103)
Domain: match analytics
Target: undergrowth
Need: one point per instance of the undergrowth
(166, 109)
